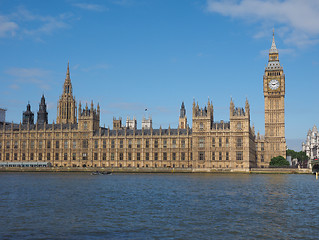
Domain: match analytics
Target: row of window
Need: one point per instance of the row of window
(239, 142)
(201, 156)
(85, 144)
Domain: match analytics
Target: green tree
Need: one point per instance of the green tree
(301, 156)
(278, 161)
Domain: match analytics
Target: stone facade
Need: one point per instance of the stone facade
(311, 146)
(78, 140)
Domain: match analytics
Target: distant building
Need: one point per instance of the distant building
(2, 115)
(131, 123)
(146, 123)
(311, 146)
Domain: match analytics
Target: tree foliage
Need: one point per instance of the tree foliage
(301, 156)
(279, 161)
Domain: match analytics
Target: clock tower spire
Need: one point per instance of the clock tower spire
(274, 95)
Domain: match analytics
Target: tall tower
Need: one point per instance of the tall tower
(182, 117)
(42, 113)
(66, 105)
(274, 94)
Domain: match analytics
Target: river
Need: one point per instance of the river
(158, 206)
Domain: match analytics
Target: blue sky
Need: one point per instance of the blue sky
(129, 55)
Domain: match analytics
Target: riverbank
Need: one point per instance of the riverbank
(159, 170)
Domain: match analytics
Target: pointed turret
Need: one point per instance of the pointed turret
(42, 113)
(273, 48)
(67, 106)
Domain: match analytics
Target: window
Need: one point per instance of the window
(23, 156)
(32, 144)
(84, 156)
(112, 156)
(239, 155)
(156, 156)
(121, 156)
(201, 126)
(57, 156)
(48, 156)
(239, 126)
(138, 156)
(147, 156)
(182, 156)
(104, 156)
(57, 144)
(85, 125)
(183, 143)
(262, 158)
(227, 155)
(31, 156)
(138, 143)
(85, 143)
(129, 143)
(73, 156)
(16, 144)
(112, 144)
(74, 144)
(239, 142)
(213, 142)
(262, 146)
(7, 156)
(213, 155)
(147, 143)
(40, 156)
(201, 156)
(220, 156)
(15, 156)
(129, 156)
(173, 156)
(227, 142)
(156, 143)
(0, 144)
(48, 144)
(8, 144)
(220, 142)
(65, 156)
(164, 143)
(95, 156)
(201, 142)
(164, 156)
(96, 144)
(104, 143)
(174, 143)
(65, 144)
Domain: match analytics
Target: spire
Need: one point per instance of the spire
(182, 111)
(68, 71)
(273, 48)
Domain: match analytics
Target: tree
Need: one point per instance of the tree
(279, 161)
(301, 156)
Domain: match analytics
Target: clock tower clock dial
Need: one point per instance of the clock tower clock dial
(274, 95)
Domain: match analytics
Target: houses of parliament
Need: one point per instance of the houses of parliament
(76, 139)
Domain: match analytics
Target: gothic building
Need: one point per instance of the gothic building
(78, 140)
(311, 145)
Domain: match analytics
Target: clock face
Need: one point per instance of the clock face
(274, 84)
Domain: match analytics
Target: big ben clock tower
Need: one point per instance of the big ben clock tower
(274, 94)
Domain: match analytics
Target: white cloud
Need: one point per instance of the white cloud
(298, 19)
(22, 23)
(90, 7)
(32, 76)
(7, 27)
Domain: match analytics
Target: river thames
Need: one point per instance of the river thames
(158, 206)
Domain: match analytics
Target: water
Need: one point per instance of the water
(158, 206)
